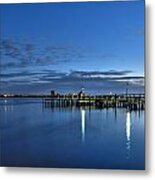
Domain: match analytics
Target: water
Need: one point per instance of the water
(32, 135)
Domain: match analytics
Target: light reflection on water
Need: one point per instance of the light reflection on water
(34, 136)
(83, 124)
(128, 133)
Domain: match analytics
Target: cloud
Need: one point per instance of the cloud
(26, 54)
(73, 81)
(98, 73)
(18, 74)
(21, 54)
(9, 48)
(8, 65)
(72, 76)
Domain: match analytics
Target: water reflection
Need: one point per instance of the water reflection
(128, 134)
(83, 117)
(115, 114)
(102, 144)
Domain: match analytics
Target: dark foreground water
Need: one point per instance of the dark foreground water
(32, 135)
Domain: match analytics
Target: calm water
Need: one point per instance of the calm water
(32, 135)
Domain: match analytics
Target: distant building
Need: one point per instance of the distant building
(81, 94)
(74, 95)
(54, 93)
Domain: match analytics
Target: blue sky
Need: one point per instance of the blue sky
(98, 46)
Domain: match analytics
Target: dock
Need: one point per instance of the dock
(130, 101)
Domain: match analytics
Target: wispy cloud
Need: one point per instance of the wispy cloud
(28, 54)
(98, 73)
(96, 81)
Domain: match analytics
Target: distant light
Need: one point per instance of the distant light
(5, 95)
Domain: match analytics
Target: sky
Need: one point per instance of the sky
(98, 46)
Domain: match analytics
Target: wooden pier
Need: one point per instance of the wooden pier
(130, 101)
